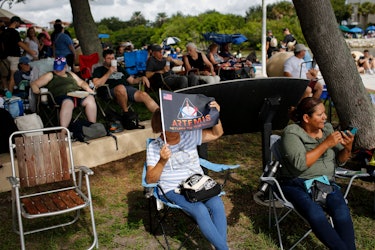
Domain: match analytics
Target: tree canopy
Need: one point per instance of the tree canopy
(190, 28)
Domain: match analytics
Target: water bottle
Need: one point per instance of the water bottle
(271, 173)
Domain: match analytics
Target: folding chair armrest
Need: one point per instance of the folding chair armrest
(351, 182)
(149, 185)
(273, 182)
(13, 181)
(215, 166)
(166, 201)
(86, 170)
(49, 96)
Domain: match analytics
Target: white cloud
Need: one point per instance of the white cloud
(41, 11)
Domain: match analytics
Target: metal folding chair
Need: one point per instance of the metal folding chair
(271, 195)
(45, 182)
(49, 110)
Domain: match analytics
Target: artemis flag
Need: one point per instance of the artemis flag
(182, 112)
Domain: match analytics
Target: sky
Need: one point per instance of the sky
(41, 12)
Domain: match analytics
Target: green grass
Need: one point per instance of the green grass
(122, 217)
(121, 211)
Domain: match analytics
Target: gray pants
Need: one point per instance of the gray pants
(176, 81)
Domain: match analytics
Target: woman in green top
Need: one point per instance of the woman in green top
(311, 148)
(60, 82)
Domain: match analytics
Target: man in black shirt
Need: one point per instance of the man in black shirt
(120, 83)
(157, 64)
(12, 46)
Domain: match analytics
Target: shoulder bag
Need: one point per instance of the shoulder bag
(199, 187)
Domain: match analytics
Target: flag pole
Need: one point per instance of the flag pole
(162, 121)
(162, 116)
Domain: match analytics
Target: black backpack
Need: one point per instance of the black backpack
(84, 131)
(130, 121)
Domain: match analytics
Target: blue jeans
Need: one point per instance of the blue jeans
(210, 216)
(339, 237)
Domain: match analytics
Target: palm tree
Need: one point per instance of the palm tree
(366, 9)
(137, 19)
(160, 19)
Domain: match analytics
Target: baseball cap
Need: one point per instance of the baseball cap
(59, 63)
(24, 60)
(156, 47)
(299, 47)
(16, 19)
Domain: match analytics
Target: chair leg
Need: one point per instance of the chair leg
(20, 225)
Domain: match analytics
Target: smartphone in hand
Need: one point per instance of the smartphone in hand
(352, 130)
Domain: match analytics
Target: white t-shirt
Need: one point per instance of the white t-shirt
(183, 163)
(296, 67)
(33, 46)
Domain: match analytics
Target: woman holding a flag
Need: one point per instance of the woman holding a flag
(171, 159)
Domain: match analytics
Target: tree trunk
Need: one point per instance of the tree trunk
(333, 56)
(85, 27)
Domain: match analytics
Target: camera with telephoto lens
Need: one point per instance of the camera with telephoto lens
(272, 169)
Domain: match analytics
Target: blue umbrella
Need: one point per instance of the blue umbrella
(238, 39)
(103, 36)
(225, 38)
(370, 28)
(356, 30)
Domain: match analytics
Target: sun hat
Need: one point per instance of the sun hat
(59, 63)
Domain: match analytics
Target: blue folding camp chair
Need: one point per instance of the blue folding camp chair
(161, 208)
(135, 62)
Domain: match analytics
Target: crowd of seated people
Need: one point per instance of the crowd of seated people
(61, 46)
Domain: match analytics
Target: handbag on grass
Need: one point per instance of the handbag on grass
(199, 187)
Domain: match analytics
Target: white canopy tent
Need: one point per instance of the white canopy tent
(6, 15)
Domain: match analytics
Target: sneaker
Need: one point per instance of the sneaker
(116, 127)
(370, 72)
